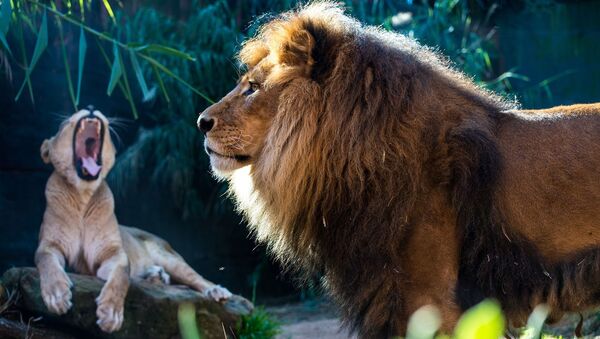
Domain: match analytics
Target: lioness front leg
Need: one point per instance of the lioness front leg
(54, 282)
(115, 270)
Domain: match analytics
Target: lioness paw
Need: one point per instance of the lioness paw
(218, 293)
(156, 274)
(110, 316)
(56, 293)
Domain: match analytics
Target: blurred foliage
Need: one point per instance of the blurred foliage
(258, 325)
(171, 152)
(182, 56)
(29, 18)
(186, 316)
(181, 59)
(484, 320)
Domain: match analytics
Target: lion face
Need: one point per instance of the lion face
(237, 125)
(82, 151)
(279, 62)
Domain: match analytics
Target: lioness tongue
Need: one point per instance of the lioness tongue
(90, 165)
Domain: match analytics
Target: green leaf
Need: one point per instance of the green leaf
(109, 10)
(424, 323)
(41, 43)
(116, 71)
(165, 70)
(63, 50)
(139, 75)
(161, 83)
(535, 322)
(40, 46)
(165, 50)
(124, 90)
(187, 322)
(5, 14)
(128, 94)
(82, 51)
(485, 320)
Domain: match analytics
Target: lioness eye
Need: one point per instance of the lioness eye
(253, 88)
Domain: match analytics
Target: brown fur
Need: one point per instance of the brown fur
(363, 156)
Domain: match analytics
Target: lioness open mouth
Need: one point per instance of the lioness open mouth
(240, 158)
(87, 147)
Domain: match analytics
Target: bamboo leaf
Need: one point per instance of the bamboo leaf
(109, 10)
(63, 50)
(5, 14)
(40, 46)
(120, 83)
(165, 50)
(161, 83)
(82, 51)
(21, 41)
(165, 70)
(41, 43)
(116, 70)
(5, 43)
(128, 94)
(140, 76)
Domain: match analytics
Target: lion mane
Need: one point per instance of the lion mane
(379, 137)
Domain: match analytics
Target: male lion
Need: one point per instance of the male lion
(80, 227)
(361, 155)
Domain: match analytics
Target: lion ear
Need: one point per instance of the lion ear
(297, 49)
(45, 151)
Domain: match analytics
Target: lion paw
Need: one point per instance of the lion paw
(156, 274)
(109, 313)
(217, 293)
(56, 292)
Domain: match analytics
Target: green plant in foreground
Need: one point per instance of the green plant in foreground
(186, 315)
(484, 320)
(258, 325)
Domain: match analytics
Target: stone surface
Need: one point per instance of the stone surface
(150, 310)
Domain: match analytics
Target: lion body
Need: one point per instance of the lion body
(80, 230)
(402, 182)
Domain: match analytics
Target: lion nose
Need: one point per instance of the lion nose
(205, 124)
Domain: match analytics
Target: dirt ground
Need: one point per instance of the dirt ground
(309, 320)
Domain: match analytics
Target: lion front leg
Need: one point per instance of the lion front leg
(54, 282)
(431, 263)
(115, 270)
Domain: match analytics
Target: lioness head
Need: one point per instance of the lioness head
(82, 151)
(281, 72)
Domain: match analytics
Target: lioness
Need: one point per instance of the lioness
(361, 155)
(80, 229)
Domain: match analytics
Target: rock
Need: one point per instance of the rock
(12, 329)
(150, 310)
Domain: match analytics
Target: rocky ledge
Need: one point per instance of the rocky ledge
(150, 310)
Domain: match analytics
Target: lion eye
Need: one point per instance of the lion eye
(253, 88)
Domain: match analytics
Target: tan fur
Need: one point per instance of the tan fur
(366, 158)
(80, 230)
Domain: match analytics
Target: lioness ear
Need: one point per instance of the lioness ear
(45, 151)
(297, 50)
